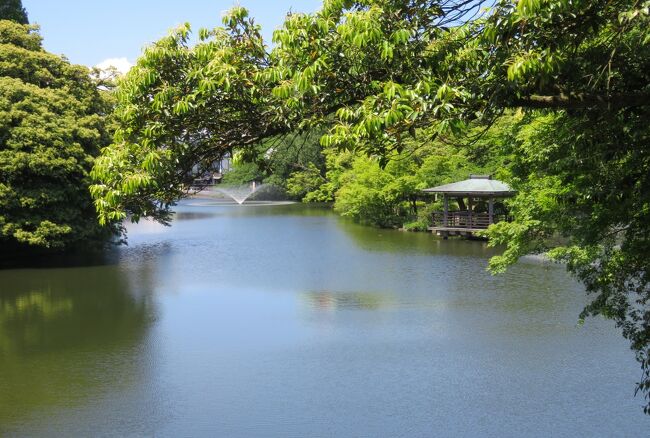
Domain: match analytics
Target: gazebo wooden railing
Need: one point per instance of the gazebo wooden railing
(463, 219)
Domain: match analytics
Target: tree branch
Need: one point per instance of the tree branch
(583, 100)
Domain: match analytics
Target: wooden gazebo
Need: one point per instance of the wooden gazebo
(481, 193)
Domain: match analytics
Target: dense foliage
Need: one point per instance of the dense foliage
(52, 123)
(395, 82)
(13, 10)
(391, 196)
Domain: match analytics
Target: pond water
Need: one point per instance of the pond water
(288, 321)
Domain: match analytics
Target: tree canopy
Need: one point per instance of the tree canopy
(52, 123)
(13, 10)
(380, 74)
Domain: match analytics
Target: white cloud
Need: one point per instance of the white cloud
(122, 65)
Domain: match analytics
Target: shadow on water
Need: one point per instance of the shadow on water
(59, 327)
(79, 258)
(389, 240)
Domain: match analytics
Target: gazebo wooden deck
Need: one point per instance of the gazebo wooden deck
(468, 219)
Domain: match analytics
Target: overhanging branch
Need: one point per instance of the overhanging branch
(583, 100)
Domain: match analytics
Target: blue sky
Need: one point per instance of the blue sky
(89, 32)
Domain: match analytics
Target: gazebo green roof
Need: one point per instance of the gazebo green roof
(476, 185)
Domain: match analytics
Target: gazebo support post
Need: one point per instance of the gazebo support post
(469, 211)
(445, 211)
(491, 210)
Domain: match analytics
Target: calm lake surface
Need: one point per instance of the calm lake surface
(286, 321)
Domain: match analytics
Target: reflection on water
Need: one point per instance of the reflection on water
(67, 334)
(284, 320)
(373, 239)
(350, 300)
(190, 215)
